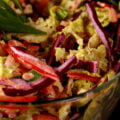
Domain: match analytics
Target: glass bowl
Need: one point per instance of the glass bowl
(95, 104)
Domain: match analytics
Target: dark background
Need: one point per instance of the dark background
(116, 114)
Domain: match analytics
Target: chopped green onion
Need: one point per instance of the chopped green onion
(36, 75)
(61, 14)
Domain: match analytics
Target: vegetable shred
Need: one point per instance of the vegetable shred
(54, 49)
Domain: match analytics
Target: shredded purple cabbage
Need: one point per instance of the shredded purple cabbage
(59, 28)
(62, 69)
(99, 29)
(76, 15)
(91, 66)
(29, 88)
(62, 41)
(57, 42)
(116, 67)
(68, 43)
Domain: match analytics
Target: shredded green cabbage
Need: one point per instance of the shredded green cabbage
(60, 53)
(6, 71)
(81, 86)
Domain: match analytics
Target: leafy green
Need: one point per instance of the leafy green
(17, 4)
(6, 71)
(10, 21)
(5, 8)
(20, 7)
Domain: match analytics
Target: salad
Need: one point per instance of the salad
(54, 49)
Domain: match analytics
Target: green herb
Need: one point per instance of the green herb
(20, 7)
(36, 75)
(17, 4)
(10, 21)
(61, 14)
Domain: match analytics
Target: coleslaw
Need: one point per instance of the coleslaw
(53, 49)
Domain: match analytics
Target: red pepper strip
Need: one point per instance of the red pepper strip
(14, 107)
(97, 25)
(42, 82)
(17, 98)
(44, 116)
(32, 62)
(83, 76)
